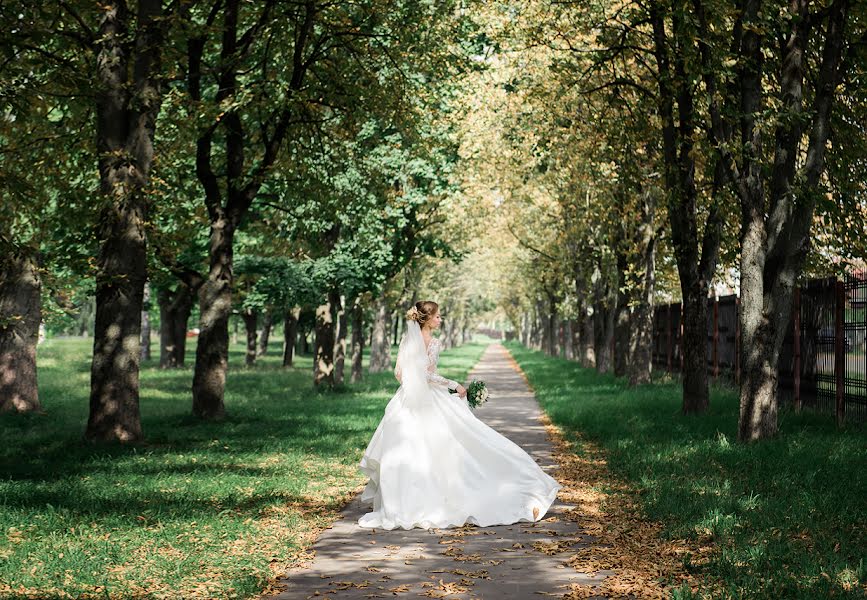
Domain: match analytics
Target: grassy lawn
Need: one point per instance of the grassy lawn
(787, 518)
(210, 510)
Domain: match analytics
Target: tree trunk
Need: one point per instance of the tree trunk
(775, 235)
(588, 345)
(290, 335)
(761, 340)
(126, 114)
(396, 337)
(380, 344)
(323, 362)
(604, 307)
(641, 336)
(339, 340)
(251, 323)
(114, 376)
(551, 327)
(621, 338)
(695, 390)
(601, 345)
(20, 316)
(679, 154)
(146, 323)
(357, 340)
(175, 309)
(215, 305)
(525, 330)
(574, 339)
(304, 341)
(265, 337)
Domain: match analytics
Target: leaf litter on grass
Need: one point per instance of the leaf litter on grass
(641, 562)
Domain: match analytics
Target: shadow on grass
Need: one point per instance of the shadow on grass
(787, 516)
(197, 503)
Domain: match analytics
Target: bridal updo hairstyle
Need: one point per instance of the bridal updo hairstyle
(421, 312)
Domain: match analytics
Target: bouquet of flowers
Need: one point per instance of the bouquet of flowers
(477, 392)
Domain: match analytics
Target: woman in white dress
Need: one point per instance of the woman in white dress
(432, 463)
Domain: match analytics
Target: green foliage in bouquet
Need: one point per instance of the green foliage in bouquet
(477, 392)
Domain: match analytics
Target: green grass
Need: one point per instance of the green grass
(210, 510)
(787, 517)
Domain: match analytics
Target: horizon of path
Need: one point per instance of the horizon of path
(496, 563)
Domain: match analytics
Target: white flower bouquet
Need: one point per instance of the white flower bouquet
(477, 393)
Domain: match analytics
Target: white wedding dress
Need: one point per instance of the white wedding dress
(433, 464)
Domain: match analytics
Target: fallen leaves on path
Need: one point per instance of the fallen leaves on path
(641, 562)
(443, 590)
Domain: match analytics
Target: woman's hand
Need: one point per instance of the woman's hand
(462, 391)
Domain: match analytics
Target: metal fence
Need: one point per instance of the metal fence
(823, 361)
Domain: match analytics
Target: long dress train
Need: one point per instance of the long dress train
(432, 463)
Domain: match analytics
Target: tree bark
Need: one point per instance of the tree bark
(304, 340)
(380, 343)
(146, 323)
(215, 305)
(525, 330)
(114, 387)
(694, 269)
(339, 340)
(228, 204)
(265, 336)
(695, 389)
(537, 331)
(175, 309)
(641, 333)
(251, 324)
(126, 119)
(290, 335)
(20, 316)
(601, 348)
(604, 310)
(588, 346)
(357, 340)
(551, 326)
(622, 324)
(396, 337)
(323, 361)
(775, 231)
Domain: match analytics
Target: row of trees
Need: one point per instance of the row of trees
(656, 146)
(273, 157)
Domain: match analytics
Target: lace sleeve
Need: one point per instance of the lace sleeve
(434, 378)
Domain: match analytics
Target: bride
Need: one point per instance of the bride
(432, 463)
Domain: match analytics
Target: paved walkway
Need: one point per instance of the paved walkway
(488, 563)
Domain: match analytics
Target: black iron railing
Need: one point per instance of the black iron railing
(823, 361)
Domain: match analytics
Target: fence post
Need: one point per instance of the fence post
(738, 340)
(715, 337)
(796, 369)
(680, 338)
(840, 350)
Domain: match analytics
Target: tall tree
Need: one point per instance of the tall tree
(227, 202)
(785, 84)
(45, 213)
(696, 255)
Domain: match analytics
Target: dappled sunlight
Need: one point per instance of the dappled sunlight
(783, 518)
(199, 509)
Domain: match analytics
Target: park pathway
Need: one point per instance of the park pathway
(489, 563)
